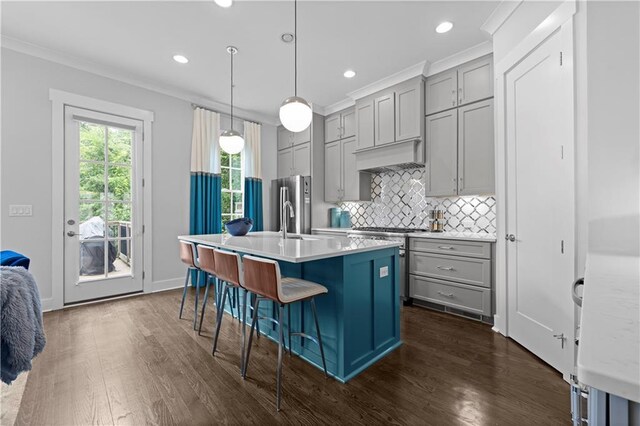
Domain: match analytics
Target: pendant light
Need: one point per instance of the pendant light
(295, 112)
(231, 141)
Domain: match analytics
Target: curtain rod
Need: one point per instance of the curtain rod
(194, 106)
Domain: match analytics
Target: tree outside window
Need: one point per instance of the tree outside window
(231, 170)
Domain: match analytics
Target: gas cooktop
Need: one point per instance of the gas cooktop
(389, 230)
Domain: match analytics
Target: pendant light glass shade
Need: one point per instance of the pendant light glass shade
(231, 141)
(295, 114)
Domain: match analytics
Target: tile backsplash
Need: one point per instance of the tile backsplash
(398, 199)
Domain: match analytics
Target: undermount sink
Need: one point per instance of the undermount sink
(300, 237)
(289, 236)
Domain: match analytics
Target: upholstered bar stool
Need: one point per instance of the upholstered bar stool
(207, 263)
(188, 257)
(229, 271)
(262, 277)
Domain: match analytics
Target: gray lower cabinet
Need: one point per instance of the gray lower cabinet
(343, 182)
(452, 273)
(442, 153)
(476, 162)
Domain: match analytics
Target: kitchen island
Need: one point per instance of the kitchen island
(359, 317)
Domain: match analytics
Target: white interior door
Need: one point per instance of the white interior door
(103, 205)
(540, 199)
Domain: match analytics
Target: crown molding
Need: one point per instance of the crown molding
(383, 83)
(499, 15)
(339, 106)
(116, 74)
(475, 52)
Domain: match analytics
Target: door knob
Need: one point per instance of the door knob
(510, 237)
(71, 234)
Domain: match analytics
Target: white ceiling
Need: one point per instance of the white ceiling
(376, 39)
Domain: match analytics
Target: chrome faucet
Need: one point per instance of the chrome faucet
(285, 207)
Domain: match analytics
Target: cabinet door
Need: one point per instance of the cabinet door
(285, 162)
(384, 119)
(302, 159)
(332, 128)
(475, 149)
(442, 147)
(332, 172)
(408, 112)
(356, 185)
(475, 81)
(302, 137)
(364, 124)
(440, 92)
(348, 123)
(285, 138)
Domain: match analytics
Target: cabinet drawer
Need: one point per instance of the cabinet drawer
(464, 270)
(452, 247)
(459, 296)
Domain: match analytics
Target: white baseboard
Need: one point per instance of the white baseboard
(47, 304)
(169, 284)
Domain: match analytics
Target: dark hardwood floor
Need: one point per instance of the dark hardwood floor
(131, 361)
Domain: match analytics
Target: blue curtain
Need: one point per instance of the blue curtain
(206, 208)
(253, 202)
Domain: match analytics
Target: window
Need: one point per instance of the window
(232, 186)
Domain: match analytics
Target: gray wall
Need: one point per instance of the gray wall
(26, 160)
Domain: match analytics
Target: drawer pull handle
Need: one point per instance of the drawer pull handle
(445, 268)
(445, 247)
(445, 294)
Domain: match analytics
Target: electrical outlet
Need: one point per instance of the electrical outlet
(384, 271)
(20, 210)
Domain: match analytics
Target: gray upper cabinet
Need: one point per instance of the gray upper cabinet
(475, 80)
(332, 125)
(470, 82)
(476, 149)
(384, 119)
(285, 162)
(287, 138)
(364, 123)
(441, 91)
(409, 111)
(442, 155)
(340, 125)
(332, 171)
(302, 159)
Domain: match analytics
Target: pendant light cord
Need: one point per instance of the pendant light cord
(295, 47)
(231, 89)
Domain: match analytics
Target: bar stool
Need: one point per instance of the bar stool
(187, 255)
(262, 277)
(207, 263)
(228, 267)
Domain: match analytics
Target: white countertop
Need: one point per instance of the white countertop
(334, 230)
(609, 349)
(270, 245)
(455, 235)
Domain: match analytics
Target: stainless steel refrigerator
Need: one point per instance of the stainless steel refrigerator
(299, 194)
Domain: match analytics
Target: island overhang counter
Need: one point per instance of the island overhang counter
(359, 316)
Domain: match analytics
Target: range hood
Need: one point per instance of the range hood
(392, 156)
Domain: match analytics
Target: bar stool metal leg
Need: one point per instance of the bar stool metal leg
(254, 320)
(184, 292)
(280, 345)
(195, 306)
(244, 332)
(225, 293)
(204, 303)
(289, 325)
(315, 318)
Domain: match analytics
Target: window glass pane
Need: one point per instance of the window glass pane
(91, 141)
(120, 183)
(224, 159)
(91, 181)
(236, 160)
(118, 212)
(89, 210)
(119, 145)
(226, 202)
(236, 179)
(225, 177)
(91, 259)
(237, 203)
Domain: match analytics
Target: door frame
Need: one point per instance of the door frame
(59, 100)
(560, 18)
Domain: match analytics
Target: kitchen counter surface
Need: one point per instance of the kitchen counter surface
(609, 349)
(453, 235)
(270, 245)
(333, 230)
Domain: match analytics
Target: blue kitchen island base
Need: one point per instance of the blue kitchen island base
(359, 317)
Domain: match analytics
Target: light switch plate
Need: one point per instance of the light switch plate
(20, 210)
(384, 271)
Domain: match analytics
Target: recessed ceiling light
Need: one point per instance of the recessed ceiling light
(287, 37)
(224, 3)
(180, 59)
(444, 27)
(349, 73)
